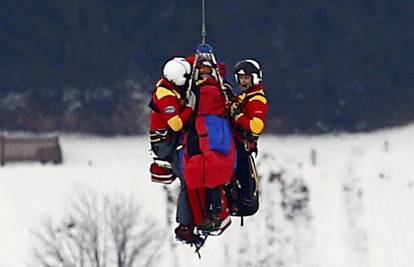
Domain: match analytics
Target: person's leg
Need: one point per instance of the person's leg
(164, 150)
(185, 230)
(213, 201)
(183, 215)
(242, 192)
(212, 210)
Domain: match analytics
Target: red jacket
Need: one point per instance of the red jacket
(167, 107)
(254, 110)
(209, 154)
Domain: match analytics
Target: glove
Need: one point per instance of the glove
(226, 86)
(191, 100)
(227, 90)
(161, 172)
(235, 110)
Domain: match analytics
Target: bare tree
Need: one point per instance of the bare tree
(98, 232)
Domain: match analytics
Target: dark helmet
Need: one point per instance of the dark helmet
(248, 66)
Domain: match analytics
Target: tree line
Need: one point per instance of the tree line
(328, 65)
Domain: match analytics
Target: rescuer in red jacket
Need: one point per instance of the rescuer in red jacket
(171, 109)
(250, 108)
(169, 113)
(248, 112)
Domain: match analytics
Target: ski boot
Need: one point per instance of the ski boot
(213, 225)
(186, 235)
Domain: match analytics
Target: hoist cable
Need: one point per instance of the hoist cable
(203, 25)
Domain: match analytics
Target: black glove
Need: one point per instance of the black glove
(235, 109)
(226, 86)
(227, 89)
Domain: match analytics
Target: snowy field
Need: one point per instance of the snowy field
(326, 201)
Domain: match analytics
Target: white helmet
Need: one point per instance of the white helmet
(177, 70)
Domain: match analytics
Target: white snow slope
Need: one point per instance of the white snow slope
(326, 201)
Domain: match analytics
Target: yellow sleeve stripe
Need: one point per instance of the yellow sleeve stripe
(242, 96)
(260, 98)
(175, 123)
(256, 92)
(162, 92)
(256, 125)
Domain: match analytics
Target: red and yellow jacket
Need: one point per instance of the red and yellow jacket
(167, 107)
(254, 110)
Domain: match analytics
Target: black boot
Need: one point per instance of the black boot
(186, 234)
(209, 224)
(212, 220)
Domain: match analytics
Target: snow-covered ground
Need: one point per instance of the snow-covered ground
(326, 201)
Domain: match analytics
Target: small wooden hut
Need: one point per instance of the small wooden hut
(30, 148)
